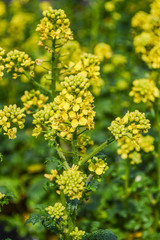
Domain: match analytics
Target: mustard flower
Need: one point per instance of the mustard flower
(132, 125)
(71, 182)
(54, 26)
(97, 165)
(144, 90)
(11, 118)
(33, 98)
(103, 51)
(2, 195)
(57, 211)
(18, 62)
(77, 234)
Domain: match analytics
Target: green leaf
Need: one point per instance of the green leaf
(100, 235)
(34, 218)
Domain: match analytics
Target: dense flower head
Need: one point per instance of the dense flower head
(103, 51)
(54, 26)
(129, 149)
(89, 66)
(18, 62)
(144, 90)
(97, 165)
(132, 125)
(57, 211)
(147, 41)
(32, 99)
(83, 142)
(42, 117)
(71, 182)
(77, 234)
(11, 118)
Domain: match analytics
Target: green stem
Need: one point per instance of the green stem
(62, 157)
(97, 150)
(75, 148)
(37, 84)
(53, 69)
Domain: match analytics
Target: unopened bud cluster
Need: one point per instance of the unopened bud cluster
(42, 117)
(97, 165)
(77, 234)
(57, 211)
(34, 99)
(18, 62)
(11, 118)
(144, 90)
(71, 182)
(103, 51)
(54, 26)
(132, 125)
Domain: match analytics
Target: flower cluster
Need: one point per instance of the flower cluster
(77, 234)
(144, 90)
(103, 51)
(89, 66)
(11, 118)
(42, 117)
(74, 107)
(131, 125)
(97, 165)
(129, 149)
(18, 62)
(71, 182)
(83, 142)
(52, 175)
(147, 41)
(57, 211)
(54, 26)
(33, 98)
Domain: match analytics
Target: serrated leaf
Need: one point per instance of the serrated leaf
(34, 218)
(100, 235)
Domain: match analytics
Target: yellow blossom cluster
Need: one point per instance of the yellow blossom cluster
(103, 51)
(77, 234)
(42, 117)
(83, 142)
(71, 182)
(57, 211)
(97, 165)
(2, 53)
(18, 62)
(147, 41)
(131, 125)
(33, 98)
(54, 26)
(144, 90)
(130, 149)
(89, 66)
(11, 118)
(2, 195)
(74, 107)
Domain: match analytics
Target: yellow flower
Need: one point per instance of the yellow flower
(98, 166)
(77, 234)
(57, 211)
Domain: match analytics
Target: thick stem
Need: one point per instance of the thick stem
(75, 148)
(53, 70)
(97, 150)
